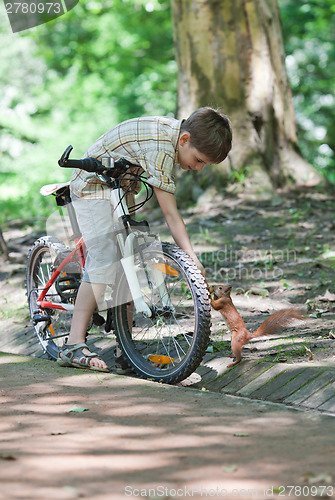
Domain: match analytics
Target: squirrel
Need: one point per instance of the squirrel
(223, 303)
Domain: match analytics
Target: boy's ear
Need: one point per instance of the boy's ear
(184, 138)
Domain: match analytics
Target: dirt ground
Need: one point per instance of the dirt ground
(275, 249)
(69, 434)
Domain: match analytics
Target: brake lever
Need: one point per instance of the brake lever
(104, 178)
(65, 156)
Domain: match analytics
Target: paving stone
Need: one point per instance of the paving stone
(32, 350)
(267, 390)
(216, 367)
(208, 356)
(14, 339)
(237, 371)
(206, 360)
(320, 397)
(203, 369)
(328, 405)
(293, 385)
(217, 384)
(261, 380)
(246, 377)
(309, 388)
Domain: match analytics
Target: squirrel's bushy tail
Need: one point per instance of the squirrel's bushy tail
(277, 321)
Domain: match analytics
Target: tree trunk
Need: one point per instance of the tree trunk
(3, 246)
(230, 54)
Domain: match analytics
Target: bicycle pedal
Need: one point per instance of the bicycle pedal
(98, 320)
(109, 321)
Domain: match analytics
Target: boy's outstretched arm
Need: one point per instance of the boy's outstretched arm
(167, 202)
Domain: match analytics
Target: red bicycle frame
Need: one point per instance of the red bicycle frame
(80, 252)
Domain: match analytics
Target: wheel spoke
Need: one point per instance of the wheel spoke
(173, 329)
(40, 267)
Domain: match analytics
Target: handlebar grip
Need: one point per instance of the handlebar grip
(94, 165)
(87, 164)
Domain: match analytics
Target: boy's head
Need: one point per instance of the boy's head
(205, 137)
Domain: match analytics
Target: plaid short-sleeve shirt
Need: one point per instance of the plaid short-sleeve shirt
(150, 142)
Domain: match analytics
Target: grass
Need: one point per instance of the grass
(14, 312)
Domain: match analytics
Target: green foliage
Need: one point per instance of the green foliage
(113, 58)
(70, 80)
(309, 35)
(73, 79)
(239, 176)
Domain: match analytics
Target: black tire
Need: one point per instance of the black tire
(178, 334)
(41, 260)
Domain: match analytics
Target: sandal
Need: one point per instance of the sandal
(121, 365)
(71, 352)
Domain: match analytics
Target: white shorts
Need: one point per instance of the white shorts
(96, 225)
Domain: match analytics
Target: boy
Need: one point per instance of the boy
(156, 144)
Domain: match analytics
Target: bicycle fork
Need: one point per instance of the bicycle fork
(128, 261)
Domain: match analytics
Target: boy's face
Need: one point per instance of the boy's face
(189, 157)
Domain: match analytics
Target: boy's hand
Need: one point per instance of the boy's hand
(176, 225)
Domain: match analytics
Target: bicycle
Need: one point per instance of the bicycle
(159, 309)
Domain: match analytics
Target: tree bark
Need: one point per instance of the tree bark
(3, 246)
(230, 54)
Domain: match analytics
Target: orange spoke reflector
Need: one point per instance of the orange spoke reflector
(160, 360)
(51, 328)
(164, 268)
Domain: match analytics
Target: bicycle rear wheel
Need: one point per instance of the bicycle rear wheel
(169, 345)
(43, 258)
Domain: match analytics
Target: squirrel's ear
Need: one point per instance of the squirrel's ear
(228, 290)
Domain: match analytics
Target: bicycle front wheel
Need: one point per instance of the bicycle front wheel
(170, 344)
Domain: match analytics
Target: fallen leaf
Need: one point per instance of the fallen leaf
(328, 297)
(77, 410)
(229, 468)
(241, 434)
(74, 492)
(310, 354)
(259, 291)
(316, 315)
(328, 255)
(3, 456)
(322, 478)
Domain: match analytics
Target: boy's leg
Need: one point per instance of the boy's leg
(88, 295)
(96, 225)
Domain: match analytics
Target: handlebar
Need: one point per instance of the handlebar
(94, 165)
(128, 180)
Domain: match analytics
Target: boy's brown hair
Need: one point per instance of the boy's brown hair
(210, 133)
